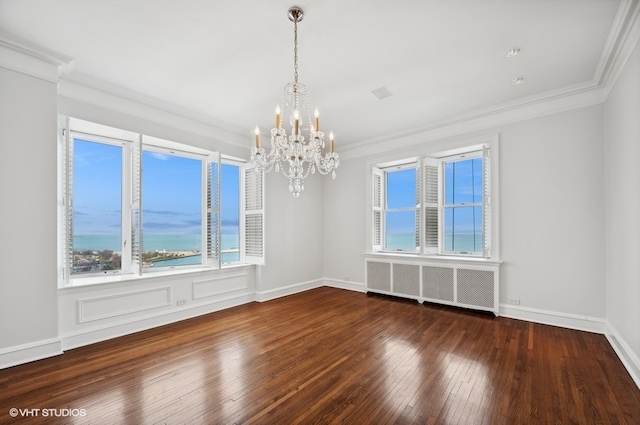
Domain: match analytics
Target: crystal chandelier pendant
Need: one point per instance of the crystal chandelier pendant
(293, 154)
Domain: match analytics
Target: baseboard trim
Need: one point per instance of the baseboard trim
(626, 355)
(26, 353)
(272, 294)
(346, 284)
(554, 318)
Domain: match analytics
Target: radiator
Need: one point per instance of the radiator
(453, 283)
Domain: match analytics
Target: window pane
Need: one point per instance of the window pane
(463, 229)
(230, 200)
(97, 207)
(463, 181)
(401, 188)
(171, 210)
(400, 230)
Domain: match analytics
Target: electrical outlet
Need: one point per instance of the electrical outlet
(514, 301)
(181, 301)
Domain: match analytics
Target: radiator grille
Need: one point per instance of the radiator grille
(463, 285)
(437, 283)
(476, 287)
(406, 279)
(379, 276)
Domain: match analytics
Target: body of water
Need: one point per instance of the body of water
(466, 242)
(170, 243)
(151, 242)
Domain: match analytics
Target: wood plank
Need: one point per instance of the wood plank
(333, 356)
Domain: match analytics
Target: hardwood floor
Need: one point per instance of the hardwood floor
(332, 356)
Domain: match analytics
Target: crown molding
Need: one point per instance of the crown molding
(36, 61)
(87, 89)
(623, 37)
(622, 41)
(578, 96)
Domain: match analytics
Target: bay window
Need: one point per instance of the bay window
(136, 204)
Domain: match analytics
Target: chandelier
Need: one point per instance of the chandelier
(291, 154)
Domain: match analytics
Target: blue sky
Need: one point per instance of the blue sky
(171, 192)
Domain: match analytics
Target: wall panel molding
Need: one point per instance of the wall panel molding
(219, 285)
(122, 304)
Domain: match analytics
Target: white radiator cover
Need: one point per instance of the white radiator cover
(461, 283)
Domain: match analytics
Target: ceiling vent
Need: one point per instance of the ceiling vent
(381, 93)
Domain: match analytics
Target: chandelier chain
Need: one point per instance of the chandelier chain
(295, 48)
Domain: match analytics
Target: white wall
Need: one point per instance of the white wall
(622, 113)
(28, 224)
(294, 237)
(344, 224)
(551, 217)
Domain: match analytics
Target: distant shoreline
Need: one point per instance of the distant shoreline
(172, 255)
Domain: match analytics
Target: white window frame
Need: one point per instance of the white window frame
(486, 146)
(133, 144)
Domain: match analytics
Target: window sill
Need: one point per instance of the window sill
(81, 282)
(433, 257)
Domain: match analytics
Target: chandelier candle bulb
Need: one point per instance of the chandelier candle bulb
(331, 142)
(296, 120)
(278, 117)
(316, 122)
(257, 137)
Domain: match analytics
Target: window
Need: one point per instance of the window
(171, 209)
(463, 204)
(401, 209)
(97, 206)
(136, 204)
(433, 205)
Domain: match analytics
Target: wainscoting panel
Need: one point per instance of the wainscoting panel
(219, 285)
(103, 307)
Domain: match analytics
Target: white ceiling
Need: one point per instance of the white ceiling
(229, 60)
